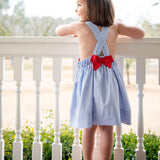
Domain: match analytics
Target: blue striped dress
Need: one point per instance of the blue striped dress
(99, 96)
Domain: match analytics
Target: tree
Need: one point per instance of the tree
(156, 3)
(17, 24)
(127, 65)
(4, 5)
(151, 30)
(10, 25)
(44, 26)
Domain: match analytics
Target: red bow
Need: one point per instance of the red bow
(97, 61)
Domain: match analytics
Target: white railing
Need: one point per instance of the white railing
(56, 48)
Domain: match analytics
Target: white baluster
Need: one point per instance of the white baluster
(37, 77)
(140, 80)
(18, 77)
(159, 84)
(96, 152)
(159, 72)
(57, 146)
(76, 148)
(2, 69)
(118, 149)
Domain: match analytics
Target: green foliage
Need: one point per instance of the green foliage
(67, 138)
(129, 141)
(27, 138)
(152, 145)
(8, 136)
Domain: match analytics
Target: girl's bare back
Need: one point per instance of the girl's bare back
(87, 41)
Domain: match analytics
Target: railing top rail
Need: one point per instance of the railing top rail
(69, 39)
(68, 46)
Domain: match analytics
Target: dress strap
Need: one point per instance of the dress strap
(94, 29)
(102, 44)
(101, 37)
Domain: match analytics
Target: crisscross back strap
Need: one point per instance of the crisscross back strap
(101, 37)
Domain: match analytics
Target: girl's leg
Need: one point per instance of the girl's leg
(106, 142)
(88, 142)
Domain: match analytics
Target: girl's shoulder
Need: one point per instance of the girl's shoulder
(114, 27)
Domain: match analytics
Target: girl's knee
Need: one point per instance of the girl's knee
(90, 130)
(94, 127)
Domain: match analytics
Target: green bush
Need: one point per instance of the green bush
(129, 142)
(152, 145)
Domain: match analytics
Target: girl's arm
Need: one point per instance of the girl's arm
(67, 29)
(133, 32)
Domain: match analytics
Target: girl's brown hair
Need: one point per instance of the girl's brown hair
(101, 12)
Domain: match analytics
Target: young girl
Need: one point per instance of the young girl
(99, 95)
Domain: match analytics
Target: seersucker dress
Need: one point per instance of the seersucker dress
(99, 96)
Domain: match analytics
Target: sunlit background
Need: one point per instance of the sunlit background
(23, 17)
(129, 11)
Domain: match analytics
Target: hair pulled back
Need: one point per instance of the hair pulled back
(101, 12)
